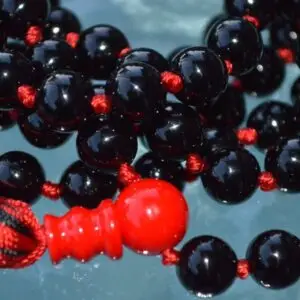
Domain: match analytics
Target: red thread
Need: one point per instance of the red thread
(267, 181)
(170, 257)
(287, 55)
(195, 164)
(171, 82)
(27, 95)
(101, 104)
(252, 20)
(13, 114)
(243, 269)
(127, 175)
(247, 136)
(51, 190)
(33, 35)
(72, 39)
(237, 84)
(124, 52)
(229, 66)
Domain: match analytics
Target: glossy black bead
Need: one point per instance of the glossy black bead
(273, 121)
(237, 41)
(6, 120)
(98, 49)
(274, 258)
(267, 76)
(21, 176)
(207, 266)
(106, 141)
(283, 161)
(211, 23)
(64, 100)
(204, 75)
(85, 187)
(152, 166)
(174, 52)
(176, 132)
(231, 176)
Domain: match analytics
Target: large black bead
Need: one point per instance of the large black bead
(21, 176)
(6, 120)
(283, 161)
(106, 141)
(204, 75)
(85, 187)
(207, 266)
(231, 176)
(272, 120)
(211, 23)
(238, 42)
(99, 48)
(152, 166)
(267, 76)
(176, 132)
(274, 258)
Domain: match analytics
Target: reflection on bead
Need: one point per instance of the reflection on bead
(174, 52)
(211, 23)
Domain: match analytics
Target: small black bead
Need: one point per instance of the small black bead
(99, 48)
(207, 266)
(106, 141)
(21, 176)
(204, 75)
(283, 161)
(152, 166)
(237, 41)
(177, 132)
(6, 120)
(231, 176)
(267, 76)
(174, 52)
(274, 258)
(85, 187)
(273, 121)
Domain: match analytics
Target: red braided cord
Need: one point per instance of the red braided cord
(172, 82)
(195, 164)
(72, 39)
(33, 36)
(247, 136)
(127, 175)
(51, 190)
(170, 257)
(101, 104)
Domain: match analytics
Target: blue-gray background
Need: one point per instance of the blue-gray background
(163, 25)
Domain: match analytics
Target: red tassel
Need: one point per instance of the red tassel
(101, 104)
(172, 82)
(127, 175)
(33, 36)
(72, 39)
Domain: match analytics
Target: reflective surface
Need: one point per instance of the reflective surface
(6, 120)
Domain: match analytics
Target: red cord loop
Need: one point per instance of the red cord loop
(27, 95)
(72, 39)
(124, 51)
(252, 20)
(171, 82)
(195, 164)
(101, 104)
(170, 257)
(127, 175)
(229, 66)
(287, 55)
(51, 190)
(243, 269)
(267, 181)
(247, 136)
(33, 36)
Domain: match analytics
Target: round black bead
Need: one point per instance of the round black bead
(99, 48)
(231, 176)
(85, 187)
(283, 161)
(152, 166)
(6, 120)
(21, 176)
(274, 258)
(64, 99)
(207, 266)
(272, 120)
(106, 141)
(177, 132)
(204, 75)
(174, 52)
(237, 41)
(267, 76)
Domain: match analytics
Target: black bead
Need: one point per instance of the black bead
(152, 166)
(238, 42)
(21, 176)
(174, 52)
(272, 120)
(267, 76)
(231, 176)
(283, 161)
(6, 120)
(211, 24)
(106, 141)
(99, 48)
(207, 266)
(64, 99)
(176, 132)
(295, 92)
(274, 258)
(54, 3)
(147, 56)
(204, 75)
(289, 9)
(18, 45)
(85, 187)
(60, 22)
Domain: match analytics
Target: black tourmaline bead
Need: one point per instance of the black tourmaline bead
(21, 176)
(207, 266)
(106, 141)
(273, 120)
(267, 76)
(152, 166)
(211, 23)
(204, 75)
(174, 52)
(6, 120)
(85, 187)
(237, 41)
(274, 258)
(99, 48)
(176, 132)
(147, 56)
(60, 22)
(283, 161)
(64, 100)
(231, 176)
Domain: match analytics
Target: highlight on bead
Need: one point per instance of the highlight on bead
(287, 55)
(229, 66)
(170, 257)
(172, 82)
(252, 20)
(127, 175)
(267, 181)
(243, 269)
(27, 95)
(72, 39)
(51, 190)
(101, 104)
(247, 136)
(124, 52)
(195, 164)
(33, 36)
